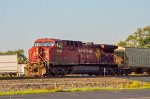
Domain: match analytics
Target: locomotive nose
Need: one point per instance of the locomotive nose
(37, 51)
(34, 54)
(42, 54)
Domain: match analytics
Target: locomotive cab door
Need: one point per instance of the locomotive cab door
(60, 53)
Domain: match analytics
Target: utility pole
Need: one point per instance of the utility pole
(104, 77)
(104, 72)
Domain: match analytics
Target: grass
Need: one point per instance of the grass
(38, 91)
(29, 91)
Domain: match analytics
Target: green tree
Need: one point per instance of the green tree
(20, 54)
(140, 39)
(21, 57)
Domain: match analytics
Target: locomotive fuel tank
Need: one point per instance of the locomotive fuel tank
(85, 69)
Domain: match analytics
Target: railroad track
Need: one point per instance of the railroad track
(131, 77)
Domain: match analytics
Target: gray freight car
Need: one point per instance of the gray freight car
(137, 59)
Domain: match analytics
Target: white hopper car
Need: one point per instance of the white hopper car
(9, 65)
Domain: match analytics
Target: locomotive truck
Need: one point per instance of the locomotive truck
(60, 57)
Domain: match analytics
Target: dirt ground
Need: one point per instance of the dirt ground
(64, 83)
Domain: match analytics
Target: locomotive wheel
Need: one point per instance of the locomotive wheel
(101, 72)
(97, 74)
(59, 71)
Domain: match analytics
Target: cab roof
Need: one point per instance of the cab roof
(47, 40)
(51, 40)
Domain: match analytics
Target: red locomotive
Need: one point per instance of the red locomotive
(60, 57)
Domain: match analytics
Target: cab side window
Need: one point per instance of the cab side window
(59, 45)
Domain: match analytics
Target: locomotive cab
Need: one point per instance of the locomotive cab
(39, 56)
(40, 51)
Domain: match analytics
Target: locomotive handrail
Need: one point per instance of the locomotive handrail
(42, 58)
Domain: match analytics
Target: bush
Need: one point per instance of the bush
(135, 84)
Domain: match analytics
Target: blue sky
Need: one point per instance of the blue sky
(98, 21)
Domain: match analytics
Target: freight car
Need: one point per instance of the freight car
(61, 57)
(8, 65)
(136, 59)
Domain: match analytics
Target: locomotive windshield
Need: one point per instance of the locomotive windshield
(38, 44)
(44, 44)
(49, 44)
